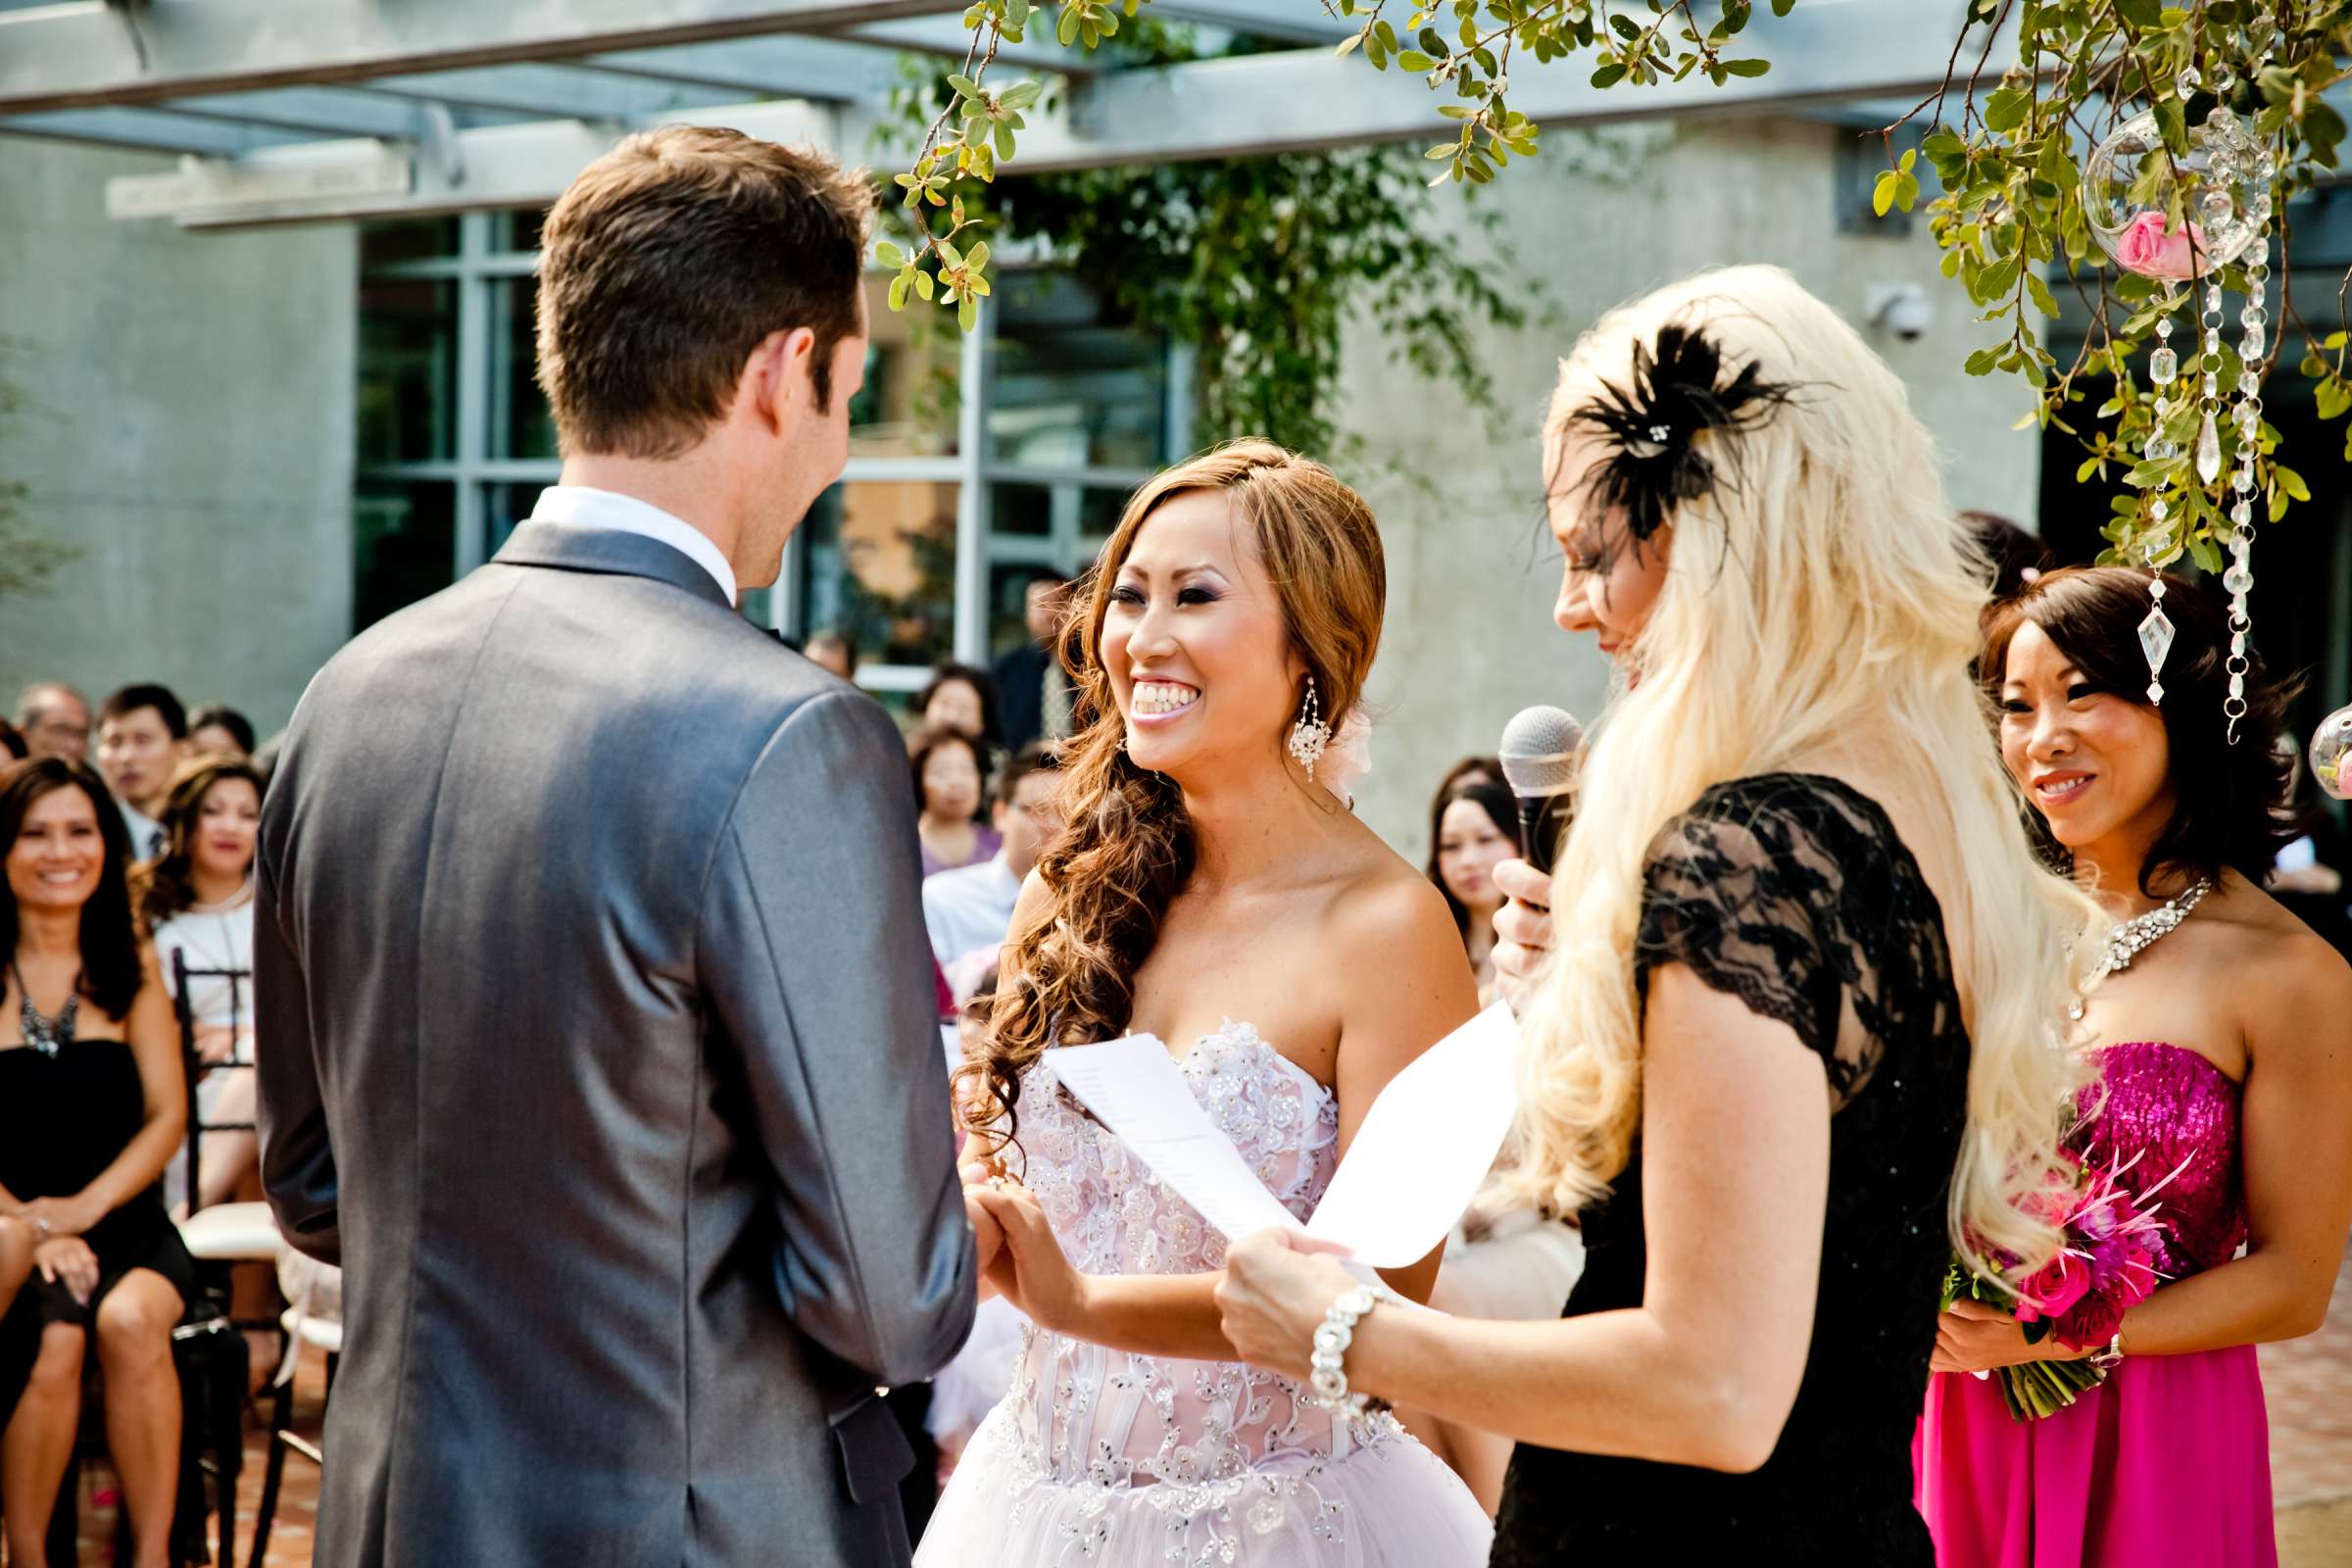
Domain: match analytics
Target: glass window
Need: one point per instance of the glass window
(405, 535)
(408, 371)
(503, 507)
(880, 568)
(521, 426)
(1098, 514)
(1023, 510)
(1071, 387)
(1008, 605)
(909, 406)
(517, 230)
(406, 240)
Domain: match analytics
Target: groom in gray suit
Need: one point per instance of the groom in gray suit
(598, 1030)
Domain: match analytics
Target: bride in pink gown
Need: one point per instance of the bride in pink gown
(1210, 888)
(2220, 1037)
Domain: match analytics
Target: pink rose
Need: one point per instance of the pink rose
(2055, 1290)
(2148, 248)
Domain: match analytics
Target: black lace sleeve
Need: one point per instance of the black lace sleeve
(1753, 889)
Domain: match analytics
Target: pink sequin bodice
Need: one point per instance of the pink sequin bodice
(2169, 1106)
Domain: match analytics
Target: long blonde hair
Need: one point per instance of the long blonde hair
(1825, 588)
(1127, 847)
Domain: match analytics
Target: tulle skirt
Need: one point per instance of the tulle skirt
(2167, 1462)
(1390, 1506)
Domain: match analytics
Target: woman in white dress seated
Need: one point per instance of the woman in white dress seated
(1210, 889)
(195, 902)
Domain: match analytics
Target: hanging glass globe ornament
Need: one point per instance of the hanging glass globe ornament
(2225, 192)
(2331, 754)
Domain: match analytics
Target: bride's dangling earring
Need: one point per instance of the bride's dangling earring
(1311, 734)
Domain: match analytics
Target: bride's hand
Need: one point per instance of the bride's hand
(988, 1239)
(1273, 1296)
(1522, 926)
(1031, 1270)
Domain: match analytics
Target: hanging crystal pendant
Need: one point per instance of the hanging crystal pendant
(2163, 365)
(2156, 635)
(2209, 451)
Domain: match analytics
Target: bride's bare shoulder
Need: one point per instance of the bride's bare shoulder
(1385, 904)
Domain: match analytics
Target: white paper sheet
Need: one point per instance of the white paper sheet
(1417, 1159)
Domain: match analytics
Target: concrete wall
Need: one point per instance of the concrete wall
(1597, 220)
(190, 428)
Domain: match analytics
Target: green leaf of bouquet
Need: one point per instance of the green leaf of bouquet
(889, 255)
(1746, 67)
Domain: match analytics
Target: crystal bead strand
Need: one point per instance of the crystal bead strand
(2252, 343)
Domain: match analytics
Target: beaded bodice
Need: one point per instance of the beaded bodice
(2174, 1108)
(1191, 1431)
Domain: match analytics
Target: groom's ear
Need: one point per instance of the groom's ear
(777, 381)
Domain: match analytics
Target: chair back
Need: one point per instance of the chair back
(184, 983)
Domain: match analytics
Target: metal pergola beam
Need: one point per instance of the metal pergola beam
(154, 131)
(1305, 22)
(947, 38)
(1832, 52)
(88, 54)
(496, 167)
(832, 70)
(551, 92)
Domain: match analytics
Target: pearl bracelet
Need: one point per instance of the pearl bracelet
(1332, 1339)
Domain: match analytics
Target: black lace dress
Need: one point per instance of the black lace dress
(1793, 894)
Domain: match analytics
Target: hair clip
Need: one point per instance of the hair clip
(1657, 465)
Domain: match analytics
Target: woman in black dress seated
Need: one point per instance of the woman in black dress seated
(92, 1104)
(1802, 1016)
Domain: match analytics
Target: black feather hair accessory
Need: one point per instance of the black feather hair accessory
(1652, 425)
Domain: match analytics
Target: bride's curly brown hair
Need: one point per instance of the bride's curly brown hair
(1126, 847)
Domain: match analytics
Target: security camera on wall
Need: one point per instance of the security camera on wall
(1899, 308)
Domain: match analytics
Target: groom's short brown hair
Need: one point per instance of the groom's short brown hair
(667, 263)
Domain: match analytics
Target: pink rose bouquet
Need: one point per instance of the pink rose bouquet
(2106, 1266)
(2146, 246)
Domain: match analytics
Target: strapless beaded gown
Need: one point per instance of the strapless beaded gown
(2169, 1460)
(1103, 1457)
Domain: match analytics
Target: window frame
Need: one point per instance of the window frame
(484, 261)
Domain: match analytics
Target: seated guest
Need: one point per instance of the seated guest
(949, 766)
(19, 1332)
(1474, 771)
(833, 651)
(1473, 828)
(143, 734)
(963, 698)
(1033, 692)
(91, 1107)
(195, 903)
(217, 730)
(55, 720)
(971, 909)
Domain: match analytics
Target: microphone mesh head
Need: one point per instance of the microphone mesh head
(1540, 751)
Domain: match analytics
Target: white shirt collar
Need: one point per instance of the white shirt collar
(584, 508)
(144, 830)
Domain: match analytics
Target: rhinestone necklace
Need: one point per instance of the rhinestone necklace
(2132, 936)
(48, 1036)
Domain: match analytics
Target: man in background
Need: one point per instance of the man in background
(1033, 696)
(55, 720)
(142, 735)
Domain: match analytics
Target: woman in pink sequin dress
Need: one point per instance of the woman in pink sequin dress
(2221, 1047)
(1212, 889)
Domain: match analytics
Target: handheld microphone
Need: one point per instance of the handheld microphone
(1541, 752)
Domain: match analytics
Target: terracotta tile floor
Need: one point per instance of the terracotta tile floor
(2307, 1383)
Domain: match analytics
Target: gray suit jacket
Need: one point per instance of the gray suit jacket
(599, 1050)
